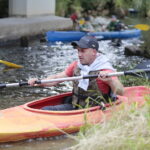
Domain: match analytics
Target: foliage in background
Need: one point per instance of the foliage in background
(67, 7)
(143, 6)
(90, 5)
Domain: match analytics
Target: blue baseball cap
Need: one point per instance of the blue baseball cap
(86, 42)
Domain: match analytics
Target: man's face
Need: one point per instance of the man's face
(86, 55)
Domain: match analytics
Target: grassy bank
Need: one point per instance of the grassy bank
(128, 129)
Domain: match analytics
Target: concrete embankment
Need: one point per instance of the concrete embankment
(15, 28)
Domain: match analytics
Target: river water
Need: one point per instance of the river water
(40, 60)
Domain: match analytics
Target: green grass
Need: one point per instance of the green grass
(132, 81)
(128, 129)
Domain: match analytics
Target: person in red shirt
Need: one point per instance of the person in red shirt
(74, 18)
(90, 62)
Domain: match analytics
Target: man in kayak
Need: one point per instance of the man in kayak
(87, 91)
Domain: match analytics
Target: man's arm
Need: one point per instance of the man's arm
(67, 73)
(59, 75)
(116, 86)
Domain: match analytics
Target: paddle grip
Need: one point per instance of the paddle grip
(130, 72)
(38, 82)
(90, 76)
(23, 83)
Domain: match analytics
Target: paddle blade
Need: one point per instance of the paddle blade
(141, 70)
(145, 66)
(9, 64)
(143, 27)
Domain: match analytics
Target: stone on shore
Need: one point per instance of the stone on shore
(133, 51)
(137, 51)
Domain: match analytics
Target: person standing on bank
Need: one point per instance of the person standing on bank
(90, 62)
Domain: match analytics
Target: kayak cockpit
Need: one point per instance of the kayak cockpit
(35, 106)
(131, 94)
(48, 101)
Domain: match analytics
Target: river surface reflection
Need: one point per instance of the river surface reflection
(41, 60)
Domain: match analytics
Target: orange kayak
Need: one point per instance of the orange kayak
(28, 121)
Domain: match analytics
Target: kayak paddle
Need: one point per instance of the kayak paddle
(138, 71)
(9, 64)
(144, 27)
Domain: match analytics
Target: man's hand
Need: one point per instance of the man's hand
(32, 81)
(103, 75)
(114, 83)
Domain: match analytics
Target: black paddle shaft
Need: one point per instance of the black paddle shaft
(3, 85)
